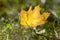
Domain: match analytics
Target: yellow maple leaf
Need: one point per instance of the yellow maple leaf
(33, 17)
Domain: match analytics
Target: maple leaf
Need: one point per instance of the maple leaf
(33, 17)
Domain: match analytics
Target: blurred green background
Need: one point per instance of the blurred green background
(10, 29)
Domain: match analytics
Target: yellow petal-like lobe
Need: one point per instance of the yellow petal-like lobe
(23, 17)
(33, 17)
(45, 15)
